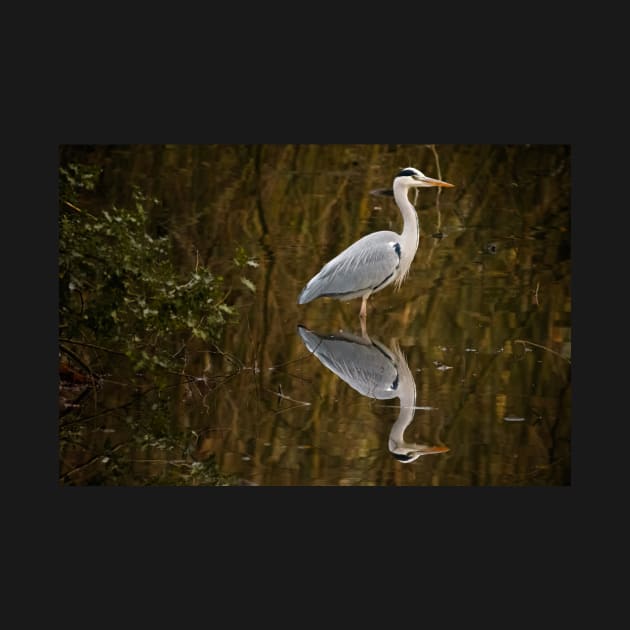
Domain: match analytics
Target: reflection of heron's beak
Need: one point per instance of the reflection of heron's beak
(435, 449)
(429, 181)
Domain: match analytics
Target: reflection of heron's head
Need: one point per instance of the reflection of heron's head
(406, 458)
(408, 453)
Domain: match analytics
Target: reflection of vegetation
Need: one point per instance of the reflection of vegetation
(136, 444)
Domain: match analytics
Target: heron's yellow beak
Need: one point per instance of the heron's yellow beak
(429, 181)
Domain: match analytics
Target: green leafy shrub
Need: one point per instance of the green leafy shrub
(118, 284)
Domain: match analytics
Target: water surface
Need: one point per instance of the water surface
(482, 325)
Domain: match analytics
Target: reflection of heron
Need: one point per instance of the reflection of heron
(377, 259)
(377, 372)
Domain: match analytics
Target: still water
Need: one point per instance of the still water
(462, 378)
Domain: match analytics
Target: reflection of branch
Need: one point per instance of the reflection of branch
(91, 345)
(417, 407)
(302, 358)
(98, 414)
(285, 397)
(439, 190)
(74, 356)
(437, 160)
(336, 198)
(298, 406)
(531, 343)
(65, 476)
(538, 469)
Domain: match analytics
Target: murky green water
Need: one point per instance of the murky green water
(477, 340)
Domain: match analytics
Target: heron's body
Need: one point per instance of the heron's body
(369, 265)
(378, 259)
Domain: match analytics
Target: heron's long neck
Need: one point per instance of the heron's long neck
(410, 237)
(407, 411)
(407, 391)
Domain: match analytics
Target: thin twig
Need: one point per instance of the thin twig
(104, 412)
(531, 343)
(298, 406)
(77, 209)
(172, 462)
(76, 358)
(91, 345)
(285, 397)
(298, 360)
(71, 205)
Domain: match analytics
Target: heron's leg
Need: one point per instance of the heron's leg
(364, 329)
(363, 313)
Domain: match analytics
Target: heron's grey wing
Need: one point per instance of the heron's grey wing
(368, 367)
(364, 266)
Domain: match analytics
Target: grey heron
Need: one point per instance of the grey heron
(377, 372)
(378, 259)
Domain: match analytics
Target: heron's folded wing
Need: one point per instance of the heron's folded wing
(366, 265)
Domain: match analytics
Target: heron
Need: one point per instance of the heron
(378, 259)
(375, 371)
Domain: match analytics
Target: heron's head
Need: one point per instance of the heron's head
(407, 453)
(413, 178)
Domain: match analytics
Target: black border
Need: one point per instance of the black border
(458, 104)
